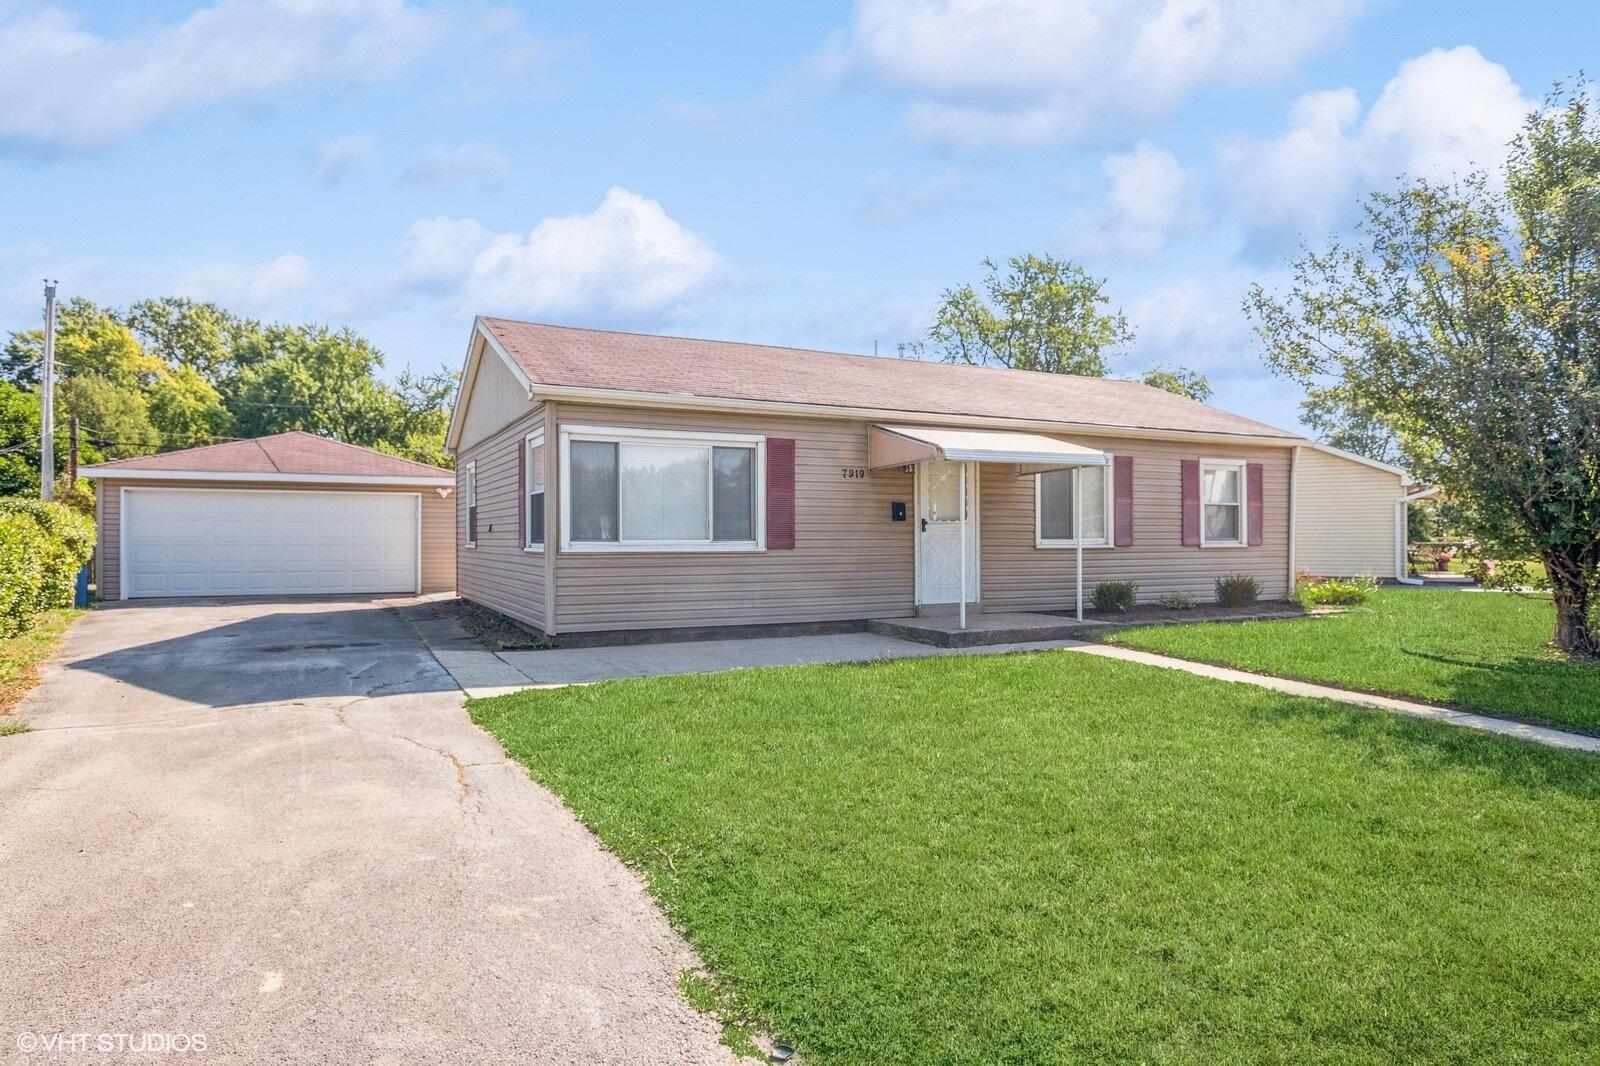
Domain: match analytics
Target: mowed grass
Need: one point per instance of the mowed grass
(1055, 857)
(1489, 651)
(20, 657)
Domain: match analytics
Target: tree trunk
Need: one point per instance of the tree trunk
(1574, 634)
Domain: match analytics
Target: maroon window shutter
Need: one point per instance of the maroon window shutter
(1253, 474)
(522, 494)
(1189, 480)
(780, 492)
(1122, 498)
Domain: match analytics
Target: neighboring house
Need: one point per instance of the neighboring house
(614, 482)
(1351, 518)
(290, 514)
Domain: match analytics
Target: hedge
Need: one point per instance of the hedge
(42, 548)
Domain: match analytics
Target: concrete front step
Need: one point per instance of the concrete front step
(1018, 627)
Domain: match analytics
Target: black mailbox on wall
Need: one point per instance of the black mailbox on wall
(897, 511)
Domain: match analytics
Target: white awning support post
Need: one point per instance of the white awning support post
(1077, 530)
(962, 477)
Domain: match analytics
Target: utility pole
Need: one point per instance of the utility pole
(47, 410)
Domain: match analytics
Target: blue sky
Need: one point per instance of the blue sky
(810, 175)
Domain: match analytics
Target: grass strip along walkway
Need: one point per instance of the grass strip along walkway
(1483, 651)
(1057, 857)
(20, 657)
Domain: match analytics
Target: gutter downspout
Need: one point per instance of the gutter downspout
(1400, 524)
(1294, 501)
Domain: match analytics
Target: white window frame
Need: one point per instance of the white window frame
(1110, 541)
(529, 443)
(469, 500)
(620, 435)
(1243, 467)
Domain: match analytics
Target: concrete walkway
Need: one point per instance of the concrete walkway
(272, 824)
(1555, 738)
(483, 673)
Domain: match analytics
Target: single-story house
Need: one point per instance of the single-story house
(611, 482)
(290, 514)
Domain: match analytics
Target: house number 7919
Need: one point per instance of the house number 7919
(850, 473)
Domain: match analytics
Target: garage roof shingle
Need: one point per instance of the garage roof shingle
(295, 452)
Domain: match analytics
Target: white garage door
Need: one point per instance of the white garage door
(215, 542)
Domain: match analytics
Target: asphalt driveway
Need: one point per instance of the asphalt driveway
(272, 825)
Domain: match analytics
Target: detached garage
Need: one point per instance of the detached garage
(286, 515)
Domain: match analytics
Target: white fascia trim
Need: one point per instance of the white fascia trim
(112, 473)
(635, 398)
(1329, 449)
(1030, 458)
(469, 377)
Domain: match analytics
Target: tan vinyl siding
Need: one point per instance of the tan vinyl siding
(1017, 576)
(1345, 518)
(438, 546)
(850, 561)
(498, 573)
(497, 399)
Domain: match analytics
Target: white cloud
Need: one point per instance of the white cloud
(334, 160)
(67, 87)
(1149, 196)
(988, 73)
(473, 163)
(1441, 116)
(625, 261)
(247, 287)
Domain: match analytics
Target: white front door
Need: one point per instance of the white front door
(939, 532)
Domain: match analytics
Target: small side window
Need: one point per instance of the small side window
(534, 502)
(469, 498)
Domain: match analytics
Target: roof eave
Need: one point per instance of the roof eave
(257, 477)
(633, 398)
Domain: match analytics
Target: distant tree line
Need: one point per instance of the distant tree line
(172, 373)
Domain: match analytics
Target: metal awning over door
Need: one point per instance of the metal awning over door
(1034, 453)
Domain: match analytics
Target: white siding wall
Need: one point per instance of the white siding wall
(1345, 517)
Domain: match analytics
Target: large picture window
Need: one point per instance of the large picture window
(1054, 525)
(533, 482)
(638, 490)
(1222, 518)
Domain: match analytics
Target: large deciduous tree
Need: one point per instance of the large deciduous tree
(1043, 314)
(1466, 321)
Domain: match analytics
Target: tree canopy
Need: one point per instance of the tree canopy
(1044, 314)
(172, 373)
(1463, 327)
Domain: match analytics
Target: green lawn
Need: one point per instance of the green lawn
(1483, 650)
(1056, 857)
(20, 657)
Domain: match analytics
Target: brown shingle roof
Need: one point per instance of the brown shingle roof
(295, 452)
(601, 359)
